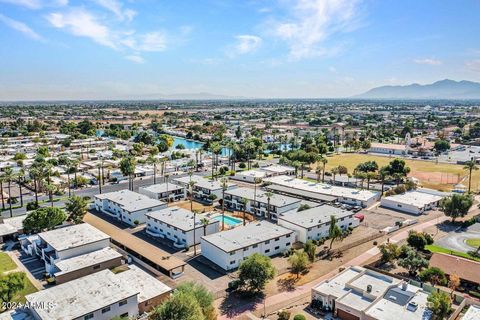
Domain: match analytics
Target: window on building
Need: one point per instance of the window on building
(106, 309)
(276, 239)
(277, 247)
(255, 245)
(88, 316)
(232, 253)
(232, 262)
(287, 244)
(267, 251)
(96, 267)
(267, 242)
(287, 236)
(122, 303)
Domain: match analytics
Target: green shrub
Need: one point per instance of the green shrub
(32, 206)
(283, 315)
(299, 317)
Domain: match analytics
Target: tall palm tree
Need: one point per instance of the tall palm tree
(383, 176)
(269, 195)
(50, 189)
(8, 176)
(35, 174)
(244, 202)
(204, 222)
(334, 172)
(470, 166)
(2, 179)
(154, 161)
(224, 188)
(194, 230)
(191, 184)
(127, 167)
(20, 176)
(100, 178)
(324, 162)
(255, 182)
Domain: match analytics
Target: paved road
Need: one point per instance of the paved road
(456, 240)
(93, 190)
(286, 298)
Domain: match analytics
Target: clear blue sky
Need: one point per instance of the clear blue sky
(67, 49)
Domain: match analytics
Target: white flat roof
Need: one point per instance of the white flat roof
(355, 300)
(277, 200)
(72, 236)
(162, 187)
(314, 216)
(473, 313)
(7, 229)
(130, 201)
(276, 168)
(81, 296)
(399, 304)
(378, 281)
(201, 182)
(244, 236)
(322, 188)
(178, 217)
(254, 173)
(415, 198)
(86, 260)
(147, 286)
(336, 286)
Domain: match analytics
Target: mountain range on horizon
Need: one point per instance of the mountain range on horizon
(443, 89)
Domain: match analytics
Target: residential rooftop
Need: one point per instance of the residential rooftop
(162, 187)
(314, 216)
(322, 188)
(336, 285)
(276, 199)
(130, 201)
(81, 296)
(147, 286)
(86, 260)
(244, 236)
(72, 236)
(415, 198)
(178, 217)
(473, 313)
(201, 182)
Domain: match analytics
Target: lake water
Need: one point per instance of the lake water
(192, 144)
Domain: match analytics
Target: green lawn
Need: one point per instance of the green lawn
(434, 248)
(6, 263)
(29, 288)
(473, 242)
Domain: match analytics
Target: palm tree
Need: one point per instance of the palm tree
(334, 172)
(255, 182)
(224, 188)
(244, 202)
(470, 166)
(8, 176)
(74, 166)
(191, 184)
(20, 176)
(127, 167)
(269, 195)
(35, 174)
(204, 222)
(50, 189)
(324, 162)
(194, 229)
(383, 175)
(370, 175)
(153, 160)
(100, 178)
(2, 179)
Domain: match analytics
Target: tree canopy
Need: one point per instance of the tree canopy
(43, 219)
(456, 205)
(255, 272)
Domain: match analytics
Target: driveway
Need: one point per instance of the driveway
(456, 240)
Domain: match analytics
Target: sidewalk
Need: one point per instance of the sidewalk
(305, 290)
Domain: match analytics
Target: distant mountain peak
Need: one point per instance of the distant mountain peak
(442, 89)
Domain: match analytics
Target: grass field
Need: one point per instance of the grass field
(441, 176)
(434, 248)
(473, 242)
(6, 263)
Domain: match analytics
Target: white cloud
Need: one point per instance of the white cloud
(428, 61)
(116, 8)
(30, 4)
(245, 44)
(332, 69)
(313, 22)
(135, 58)
(36, 4)
(82, 23)
(20, 27)
(152, 41)
(473, 65)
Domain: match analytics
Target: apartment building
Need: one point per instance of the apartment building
(127, 206)
(176, 224)
(204, 190)
(99, 296)
(258, 202)
(72, 252)
(228, 249)
(164, 191)
(314, 223)
(323, 192)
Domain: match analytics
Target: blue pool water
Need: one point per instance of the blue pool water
(229, 221)
(192, 144)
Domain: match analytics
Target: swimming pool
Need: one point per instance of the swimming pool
(229, 221)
